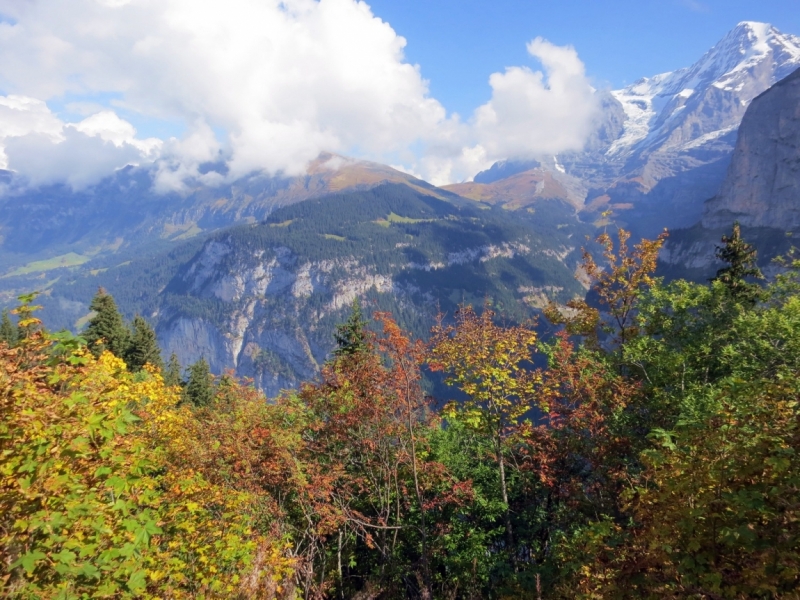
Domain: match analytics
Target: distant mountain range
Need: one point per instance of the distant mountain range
(254, 274)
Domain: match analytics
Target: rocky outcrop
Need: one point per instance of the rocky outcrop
(271, 300)
(762, 186)
(265, 299)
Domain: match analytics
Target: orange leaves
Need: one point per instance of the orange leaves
(618, 281)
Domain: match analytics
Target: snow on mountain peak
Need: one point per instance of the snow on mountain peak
(745, 62)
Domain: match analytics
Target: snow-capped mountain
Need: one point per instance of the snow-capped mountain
(665, 143)
(671, 111)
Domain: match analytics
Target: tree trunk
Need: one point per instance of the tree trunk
(504, 489)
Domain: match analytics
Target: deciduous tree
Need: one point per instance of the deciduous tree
(491, 365)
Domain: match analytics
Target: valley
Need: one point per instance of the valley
(254, 274)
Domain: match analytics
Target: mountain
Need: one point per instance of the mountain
(524, 188)
(46, 229)
(254, 274)
(762, 187)
(662, 145)
(264, 298)
(680, 127)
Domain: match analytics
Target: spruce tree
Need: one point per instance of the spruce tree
(143, 346)
(350, 338)
(106, 329)
(172, 372)
(741, 259)
(8, 332)
(199, 389)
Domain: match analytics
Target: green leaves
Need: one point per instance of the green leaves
(28, 561)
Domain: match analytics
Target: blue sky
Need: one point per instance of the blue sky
(457, 43)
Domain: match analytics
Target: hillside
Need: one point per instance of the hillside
(42, 230)
(264, 298)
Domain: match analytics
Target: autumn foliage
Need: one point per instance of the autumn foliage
(646, 447)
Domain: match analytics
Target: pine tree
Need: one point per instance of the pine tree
(8, 333)
(199, 388)
(106, 329)
(350, 338)
(741, 259)
(172, 372)
(143, 346)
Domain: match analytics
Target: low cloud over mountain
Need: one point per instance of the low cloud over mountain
(258, 85)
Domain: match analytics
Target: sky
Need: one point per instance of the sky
(457, 42)
(438, 88)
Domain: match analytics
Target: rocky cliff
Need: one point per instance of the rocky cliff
(762, 186)
(680, 127)
(265, 299)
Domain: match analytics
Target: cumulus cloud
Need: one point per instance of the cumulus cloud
(531, 114)
(43, 149)
(528, 115)
(78, 159)
(279, 81)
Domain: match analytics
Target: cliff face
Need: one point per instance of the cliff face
(680, 127)
(272, 300)
(762, 186)
(264, 299)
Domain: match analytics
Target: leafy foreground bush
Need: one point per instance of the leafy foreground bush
(98, 496)
(655, 456)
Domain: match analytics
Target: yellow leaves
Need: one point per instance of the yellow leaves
(95, 464)
(489, 363)
(618, 280)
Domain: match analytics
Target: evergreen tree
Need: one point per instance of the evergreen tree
(143, 346)
(199, 388)
(172, 372)
(106, 329)
(741, 259)
(349, 335)
(8, 333)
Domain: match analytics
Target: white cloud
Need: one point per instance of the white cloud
(20, 115)
(43, 149)
(78, 159)
(282, 81)
(531, 114)
(109, 127)
(528, 116)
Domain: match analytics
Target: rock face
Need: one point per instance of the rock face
(266, 330)
(264, 299)
(680, 127)
(762, 186)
